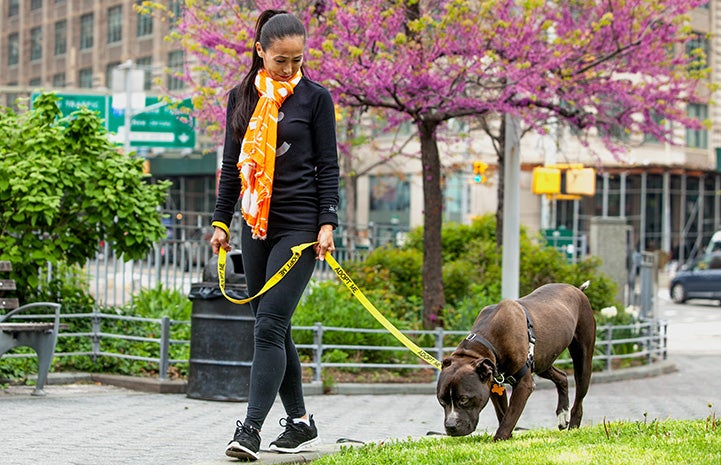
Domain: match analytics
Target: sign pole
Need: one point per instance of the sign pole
(511, 208)
(128, 107)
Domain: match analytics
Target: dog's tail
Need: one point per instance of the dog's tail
(585, 285)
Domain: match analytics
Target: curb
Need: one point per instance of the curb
(274, 458)
(160, 386)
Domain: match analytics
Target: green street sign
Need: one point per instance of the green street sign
(69, 103)
(161, 126)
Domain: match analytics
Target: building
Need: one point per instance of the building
(669, 195)
(73, 46)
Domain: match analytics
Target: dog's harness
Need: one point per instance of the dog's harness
(530, 361)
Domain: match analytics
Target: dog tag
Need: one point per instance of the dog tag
(498, 389)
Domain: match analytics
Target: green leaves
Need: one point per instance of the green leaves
(64, 188)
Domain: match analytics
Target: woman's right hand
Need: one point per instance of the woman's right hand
(219, 239)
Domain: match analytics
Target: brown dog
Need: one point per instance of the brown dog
(508, 343)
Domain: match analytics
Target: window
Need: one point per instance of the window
(658, 119)
(13, 8)
(389, 200)
(145, 23)
(109, 73)
(34, 82)
(612, 119)
(36, 4)
(85, 78)
(115, 24)
(13, 49)
(86, 31)
(175, 64)
(145, 64)
(36, 43)
(11, 99)
(61, 37)
(176, 10)
(59, 80)
(697, 49)
(455, 188)
(697, 138)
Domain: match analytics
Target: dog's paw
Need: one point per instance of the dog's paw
(564, 419)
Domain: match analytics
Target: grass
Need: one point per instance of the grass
(693, 442)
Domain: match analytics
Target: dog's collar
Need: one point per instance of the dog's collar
(530, 361)
(473, 337)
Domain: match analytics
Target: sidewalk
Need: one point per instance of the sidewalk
(88, 423)
(93, 424)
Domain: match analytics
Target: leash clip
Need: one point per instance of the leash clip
(499, 379)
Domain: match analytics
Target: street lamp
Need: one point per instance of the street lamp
(128, 94)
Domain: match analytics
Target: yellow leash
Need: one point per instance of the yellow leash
(358, 294)
(343, 276)
(297, 250)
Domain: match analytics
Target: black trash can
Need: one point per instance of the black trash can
(221, 335)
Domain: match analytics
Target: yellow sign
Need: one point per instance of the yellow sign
(581, 181)
(546, 180)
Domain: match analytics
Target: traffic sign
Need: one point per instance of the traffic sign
(69, 103)
(160, 126)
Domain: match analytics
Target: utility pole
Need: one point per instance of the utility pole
(127, 84)
(511, 209)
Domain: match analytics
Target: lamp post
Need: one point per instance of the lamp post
(127, 84)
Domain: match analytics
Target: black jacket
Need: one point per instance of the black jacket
(305, 183)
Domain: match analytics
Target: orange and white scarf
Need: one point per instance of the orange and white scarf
(257, 152)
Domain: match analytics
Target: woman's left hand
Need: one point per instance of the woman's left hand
(325, 242)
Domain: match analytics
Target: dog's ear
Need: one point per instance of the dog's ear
(484, 368)
(446, 362)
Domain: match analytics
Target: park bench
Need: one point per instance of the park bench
(16, 331)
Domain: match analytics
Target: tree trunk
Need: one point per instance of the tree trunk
(433, 295)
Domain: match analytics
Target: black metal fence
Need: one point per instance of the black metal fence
(643, 342)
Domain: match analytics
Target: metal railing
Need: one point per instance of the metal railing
(644, 342)
(180, 260)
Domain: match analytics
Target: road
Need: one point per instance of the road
(694, 327)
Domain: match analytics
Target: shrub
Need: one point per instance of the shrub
(472, 271)
(331, 304)
(153, 303)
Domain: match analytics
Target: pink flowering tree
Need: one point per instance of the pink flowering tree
(594, 66)
(217, 36)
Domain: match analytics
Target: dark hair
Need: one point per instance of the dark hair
(272, 25)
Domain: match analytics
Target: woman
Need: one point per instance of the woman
(280, 139)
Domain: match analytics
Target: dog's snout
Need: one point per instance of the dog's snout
(455, 430)
(453, 425)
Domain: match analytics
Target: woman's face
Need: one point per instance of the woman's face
(282, 59)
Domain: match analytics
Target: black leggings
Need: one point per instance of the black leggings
(276, 367)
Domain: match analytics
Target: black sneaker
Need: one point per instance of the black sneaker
(296, 437)
(245, 444)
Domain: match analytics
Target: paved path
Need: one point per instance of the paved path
(90, 424)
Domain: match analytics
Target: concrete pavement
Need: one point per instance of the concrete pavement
(85, 423)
